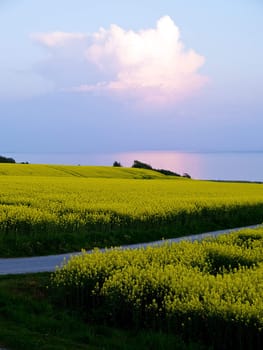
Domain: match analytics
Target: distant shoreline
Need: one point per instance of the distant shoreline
(229, 166)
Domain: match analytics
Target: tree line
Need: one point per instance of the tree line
(6, 160)
(140, 165)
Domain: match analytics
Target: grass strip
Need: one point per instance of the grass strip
(30, 319)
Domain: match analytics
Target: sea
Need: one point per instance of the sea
(225, 166)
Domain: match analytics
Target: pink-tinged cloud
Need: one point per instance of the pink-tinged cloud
(149, 66)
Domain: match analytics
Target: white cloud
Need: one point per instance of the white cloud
(57, 38)
(149, 66)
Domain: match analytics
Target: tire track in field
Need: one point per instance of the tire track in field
(48, 263)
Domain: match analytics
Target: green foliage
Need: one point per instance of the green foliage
(186, 175)
(210, 291)
(117, 164)
(141, 165)
(31, 320)
(6, 160)
(167, 172)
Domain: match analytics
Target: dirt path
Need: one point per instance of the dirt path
(49, 263)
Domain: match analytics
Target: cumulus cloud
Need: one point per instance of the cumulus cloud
(149, 66)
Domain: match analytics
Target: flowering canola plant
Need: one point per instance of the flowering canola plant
(211, 290)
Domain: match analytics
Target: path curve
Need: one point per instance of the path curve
(48, 263)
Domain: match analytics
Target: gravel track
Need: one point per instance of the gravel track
(50, 262)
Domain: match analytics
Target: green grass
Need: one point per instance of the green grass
(31, 319)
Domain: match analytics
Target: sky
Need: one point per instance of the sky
(125, 76)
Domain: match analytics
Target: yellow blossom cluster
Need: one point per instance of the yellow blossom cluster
(213, 288)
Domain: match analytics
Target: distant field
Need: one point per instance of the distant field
(78, 171)
(85, 207)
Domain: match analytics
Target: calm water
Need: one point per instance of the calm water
(218, 166)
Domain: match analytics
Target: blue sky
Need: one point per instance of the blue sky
(117, 76)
